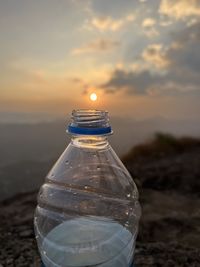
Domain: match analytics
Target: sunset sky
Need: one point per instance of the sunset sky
(141, 58)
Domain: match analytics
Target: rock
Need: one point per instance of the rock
(26, 233)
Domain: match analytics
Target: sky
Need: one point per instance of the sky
(141, 57)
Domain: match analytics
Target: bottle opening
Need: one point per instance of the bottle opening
(89, 122)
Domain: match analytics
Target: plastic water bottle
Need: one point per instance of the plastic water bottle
(88, 209)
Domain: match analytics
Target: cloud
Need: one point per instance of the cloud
(181, 61)
(180, 9)
(100, 45)
(151, 32)
(149, 29)
(110, 15)
(184, 51)
(113, 8)
(107, 23)
(148, 22)
(82, 83)
(156, 55)
(145, 82)
(136, 83)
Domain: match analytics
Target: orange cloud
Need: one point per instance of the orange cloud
(148, 25)
(109, 24)
(180, 9)
(148, 22)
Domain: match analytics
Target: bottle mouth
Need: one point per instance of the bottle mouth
(89, 122)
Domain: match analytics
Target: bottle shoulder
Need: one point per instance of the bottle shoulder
(99, 170)
(90, 183)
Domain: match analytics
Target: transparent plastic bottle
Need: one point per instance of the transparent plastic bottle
(88, 209)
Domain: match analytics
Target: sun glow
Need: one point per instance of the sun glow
(93, 97)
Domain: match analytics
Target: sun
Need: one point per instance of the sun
(93, 97)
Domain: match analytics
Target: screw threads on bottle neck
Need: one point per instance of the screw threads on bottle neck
(89, 122)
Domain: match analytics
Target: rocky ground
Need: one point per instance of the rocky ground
(170, 225)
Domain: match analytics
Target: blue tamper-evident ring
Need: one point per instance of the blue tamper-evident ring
(89, 131)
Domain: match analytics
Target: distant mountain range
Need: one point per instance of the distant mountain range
(29, 149)
(41, 141)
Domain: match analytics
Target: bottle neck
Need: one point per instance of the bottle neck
(89, 129)
(90, 141)
(89, 123)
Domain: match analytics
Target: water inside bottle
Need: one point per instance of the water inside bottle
(88, 241)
